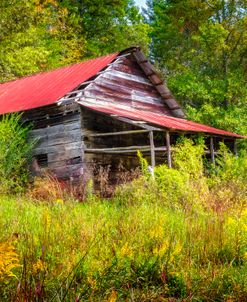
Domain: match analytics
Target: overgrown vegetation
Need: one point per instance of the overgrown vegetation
(15, 154)
(181, 235)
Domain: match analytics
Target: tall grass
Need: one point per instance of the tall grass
(181, 236)
(15, 153)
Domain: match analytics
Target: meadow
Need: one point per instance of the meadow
(180, 236)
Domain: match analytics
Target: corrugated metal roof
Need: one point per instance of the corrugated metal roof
(165, 121)
(48, 87)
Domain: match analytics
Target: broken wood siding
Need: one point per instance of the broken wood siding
(59, 148)
(124, 83)
(100, 150)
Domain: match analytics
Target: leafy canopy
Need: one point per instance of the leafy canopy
(201, 47)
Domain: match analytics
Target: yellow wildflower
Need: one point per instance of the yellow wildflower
(91, 281)
(112, 297)
(162, 249)
(177, 249)
(230, 221)
(59, 201)
(39, 266)
(126, 250)
(157, 232)
(9, 260)
(47, 219)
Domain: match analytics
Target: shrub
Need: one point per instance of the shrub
(15, 153)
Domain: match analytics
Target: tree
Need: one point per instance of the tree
(109, 25)
(201, 47)
(38, 35)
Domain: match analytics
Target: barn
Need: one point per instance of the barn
(98, 113)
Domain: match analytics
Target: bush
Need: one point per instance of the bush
(15, 154)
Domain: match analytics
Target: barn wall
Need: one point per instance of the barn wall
(124, 83)
(59, 147)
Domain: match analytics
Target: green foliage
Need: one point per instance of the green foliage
(40, 35)
(14, 154)
(200, 47)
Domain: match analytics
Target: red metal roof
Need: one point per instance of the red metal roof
(48, 87)
(165, 121)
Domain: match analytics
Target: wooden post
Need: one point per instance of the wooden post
(235, 148)
(168, 148)
(212, 150)
(151, 138)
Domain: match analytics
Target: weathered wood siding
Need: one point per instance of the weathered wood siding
(124, 83)
(59, 146)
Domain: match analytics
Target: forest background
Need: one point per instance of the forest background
(200, 47)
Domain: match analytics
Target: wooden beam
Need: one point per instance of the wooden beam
(152, 149)
(168, 147)
(116, 133)
(130, 149)
(131, 122)
(212, 150)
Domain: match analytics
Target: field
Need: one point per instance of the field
(181, 236)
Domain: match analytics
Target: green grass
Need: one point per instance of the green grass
(144, 251)
(179, 237)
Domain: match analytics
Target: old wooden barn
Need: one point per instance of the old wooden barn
(99, 113)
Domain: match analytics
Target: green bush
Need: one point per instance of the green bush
(15, 154)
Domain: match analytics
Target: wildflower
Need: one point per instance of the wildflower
(113, 296)
(39, 266)
(59, 201)
(162, 249)
(126, 250)
(9, 260)
(157, 232)
(91, 281)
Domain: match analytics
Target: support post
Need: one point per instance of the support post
(212, 150)
(168, 148)
(152, 150)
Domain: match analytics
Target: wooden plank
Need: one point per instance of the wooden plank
(117, 133)
(163, 90)
(171, 103)
(168, 147)
(134, 78)
(147, 127)
(155, 79)
(67, 154)
(178, 113)
(152, 149)
(121, 151)
(140, 57)
(56, 148)
(148, 68)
